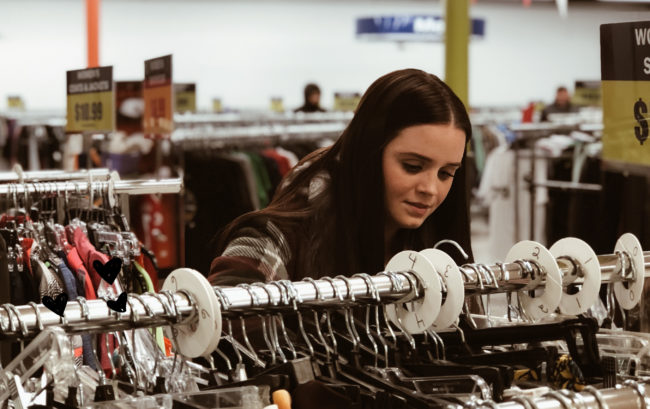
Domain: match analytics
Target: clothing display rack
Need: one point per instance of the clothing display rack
(388, 286)
(250, 134)
(229, 119)
(529, 134)
(198, 310)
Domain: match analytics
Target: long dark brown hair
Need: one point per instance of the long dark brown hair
(341, 230)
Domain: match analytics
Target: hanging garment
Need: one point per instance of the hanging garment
(498, 189)
(246, 165)
(212, 204)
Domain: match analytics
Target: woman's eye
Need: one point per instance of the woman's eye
(411, 168)
(446, 174)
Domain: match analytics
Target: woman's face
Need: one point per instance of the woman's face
(419, 166)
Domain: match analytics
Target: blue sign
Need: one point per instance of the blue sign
(414, 28)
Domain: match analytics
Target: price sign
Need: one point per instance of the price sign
(185, 97)
(90, 100)
(625, 72)
(158, 94)
(346, 101)
(217, 106)
(15, 102)
(277, 105)
(587, 93)
(129, 106)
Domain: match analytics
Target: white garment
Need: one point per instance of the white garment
(498, 189)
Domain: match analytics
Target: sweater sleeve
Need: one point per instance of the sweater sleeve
(253, 255)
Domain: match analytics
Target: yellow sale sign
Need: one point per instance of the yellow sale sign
(625, 74)
(90, 101)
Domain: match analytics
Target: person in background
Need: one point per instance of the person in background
(312, 100)
(561, 105)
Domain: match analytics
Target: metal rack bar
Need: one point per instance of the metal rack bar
(518, 278)
(55, 175)
(613, 398)
(131, 187)
(245, 300)
(97, 318)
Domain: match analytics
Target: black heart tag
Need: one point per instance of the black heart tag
(110, 270)
(56, 305)
(119, 305)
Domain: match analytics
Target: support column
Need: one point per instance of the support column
(457, 31)
(92, 26)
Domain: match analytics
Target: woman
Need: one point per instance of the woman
(394, 180)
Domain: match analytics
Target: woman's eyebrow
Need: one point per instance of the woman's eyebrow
(416, 155)
(427, 159)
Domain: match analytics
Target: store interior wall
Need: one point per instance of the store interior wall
(247, 51)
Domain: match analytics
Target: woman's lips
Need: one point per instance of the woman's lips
(418, 209)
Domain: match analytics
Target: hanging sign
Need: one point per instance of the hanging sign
(625, 74)
(587, 93)
(158, 95)
(185, 96)
(346, 101)
(15, 103)
(129, 106)
(410, 28)
(90, 106)
(217, 106)
(277, 105)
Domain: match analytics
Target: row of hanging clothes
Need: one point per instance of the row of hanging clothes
(55, 228)
(33, 140)
(540, 181)
(403, 338)
(229, 171)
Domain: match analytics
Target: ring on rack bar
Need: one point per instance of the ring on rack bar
(146, 306)
(23, 326)
(272, 301)
(135, 318)
(427, 308)
(12, 326)
(564, 401)
(598, 396)
(526, 401)
(577, 401)
(254, 298)
(628, 297)
(540, 306)
(639, 389)
(337, 292)
(199, 337)
(584, 258)
(348, 287)
(487, 402)
(37, 313)
(450, 275)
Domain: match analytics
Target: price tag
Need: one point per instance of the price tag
(346, 101)
(158, 95)
(90, 100)
(277, 105)
(625, 72)
(15, 102)
(185, 97)
(217, 106)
